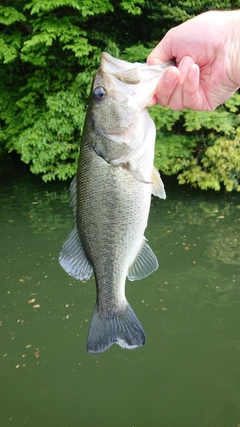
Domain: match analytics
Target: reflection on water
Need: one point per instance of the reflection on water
(187, 375)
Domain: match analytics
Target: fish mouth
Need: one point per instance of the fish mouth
(142, 77)
(131, 73)
(129, 77)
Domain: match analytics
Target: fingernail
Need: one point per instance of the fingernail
(193, 71)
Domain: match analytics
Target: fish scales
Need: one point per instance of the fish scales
(111, 198)
(112, 229)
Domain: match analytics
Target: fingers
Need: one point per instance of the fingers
(167, 85)
(179, 88)
(176, 101)
(193, 97)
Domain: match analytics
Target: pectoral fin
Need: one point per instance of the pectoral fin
(135, 173)
(73, 259)
(144, 264)
(157, 184)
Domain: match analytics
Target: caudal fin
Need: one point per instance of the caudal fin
(107, 329)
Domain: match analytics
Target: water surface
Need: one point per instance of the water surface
(188, 373)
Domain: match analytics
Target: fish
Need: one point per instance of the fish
(110, 197)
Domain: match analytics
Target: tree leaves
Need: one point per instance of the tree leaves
(85, 7)
(202, 147)
(49, 52)
(132, 6)
(9, 15)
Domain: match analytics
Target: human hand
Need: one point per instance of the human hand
(206, 51)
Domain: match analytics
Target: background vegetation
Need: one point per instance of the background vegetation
(49, 52)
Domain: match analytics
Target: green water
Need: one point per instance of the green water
(188, 373)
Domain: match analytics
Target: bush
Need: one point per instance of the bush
(49, 52)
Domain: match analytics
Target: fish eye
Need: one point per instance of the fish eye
(99, 93)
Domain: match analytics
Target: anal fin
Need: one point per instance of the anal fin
(144, 264)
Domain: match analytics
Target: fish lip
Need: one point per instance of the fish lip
(127, 68)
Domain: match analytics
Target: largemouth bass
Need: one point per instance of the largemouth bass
(110, 197)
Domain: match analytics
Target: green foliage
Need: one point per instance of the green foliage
(49, 52)
(9, 15)
(49, 144)
(85, 7)
(49, 65)
(219, 165)
(137, 53)
(203, 148)
(130, 6)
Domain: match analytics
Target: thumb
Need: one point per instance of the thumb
(161, 53)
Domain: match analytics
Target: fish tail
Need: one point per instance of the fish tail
(122, 328)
